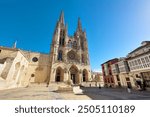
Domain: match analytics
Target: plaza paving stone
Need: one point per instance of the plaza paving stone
(90, 93)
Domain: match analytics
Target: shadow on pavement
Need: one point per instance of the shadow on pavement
(97, 93)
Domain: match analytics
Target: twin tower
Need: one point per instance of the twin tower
(69, 58)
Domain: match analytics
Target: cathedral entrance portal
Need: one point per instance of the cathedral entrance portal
(74, 75)
(85, 75)
(59, 75)
(73, 78)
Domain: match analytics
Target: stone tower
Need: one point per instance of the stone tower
(69, 58)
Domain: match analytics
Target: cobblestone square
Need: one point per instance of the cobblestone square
(90, 93)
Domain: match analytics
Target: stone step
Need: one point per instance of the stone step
(37, 85)
(64, 89)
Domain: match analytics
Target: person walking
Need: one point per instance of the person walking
(99, 86)
(129, 89)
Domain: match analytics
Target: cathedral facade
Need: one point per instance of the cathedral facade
(68, 61)
(69, 58)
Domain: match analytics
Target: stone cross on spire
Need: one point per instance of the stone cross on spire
(15, 44)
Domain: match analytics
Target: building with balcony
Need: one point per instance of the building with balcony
(134, 70)
(121, 74)
(139, 64)
(107, 72)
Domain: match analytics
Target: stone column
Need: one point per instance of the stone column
(65, 75)
(52, 76)
(80, 78)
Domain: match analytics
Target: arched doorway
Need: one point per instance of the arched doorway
(85, 75)
(59, 77)
(74, 74)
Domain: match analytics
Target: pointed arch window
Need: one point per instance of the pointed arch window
(59, 41)
(82, 45)
(60, 53)
(82, 58)
(75, 44)
(69, 43)
(63, 33)
(62, 38)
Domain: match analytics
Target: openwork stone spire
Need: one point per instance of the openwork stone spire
(79, 27)
(61, 18)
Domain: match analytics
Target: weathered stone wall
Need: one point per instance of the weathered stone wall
(38, 69)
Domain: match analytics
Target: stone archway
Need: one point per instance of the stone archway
(59, 77)
(74, 74)
(85, 75)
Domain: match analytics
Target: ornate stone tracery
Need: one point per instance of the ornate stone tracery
(71, 52)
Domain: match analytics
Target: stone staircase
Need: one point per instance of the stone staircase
(60, 87)
(54, 87)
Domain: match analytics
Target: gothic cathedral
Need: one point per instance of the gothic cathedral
(68, 61)
(69, 58)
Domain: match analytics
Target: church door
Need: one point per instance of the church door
(74, 74)
(58, 78)
(73, 78)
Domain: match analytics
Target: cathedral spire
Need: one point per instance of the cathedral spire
(61, 18)
(79, 28)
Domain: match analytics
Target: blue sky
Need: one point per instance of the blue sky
(113, 27)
